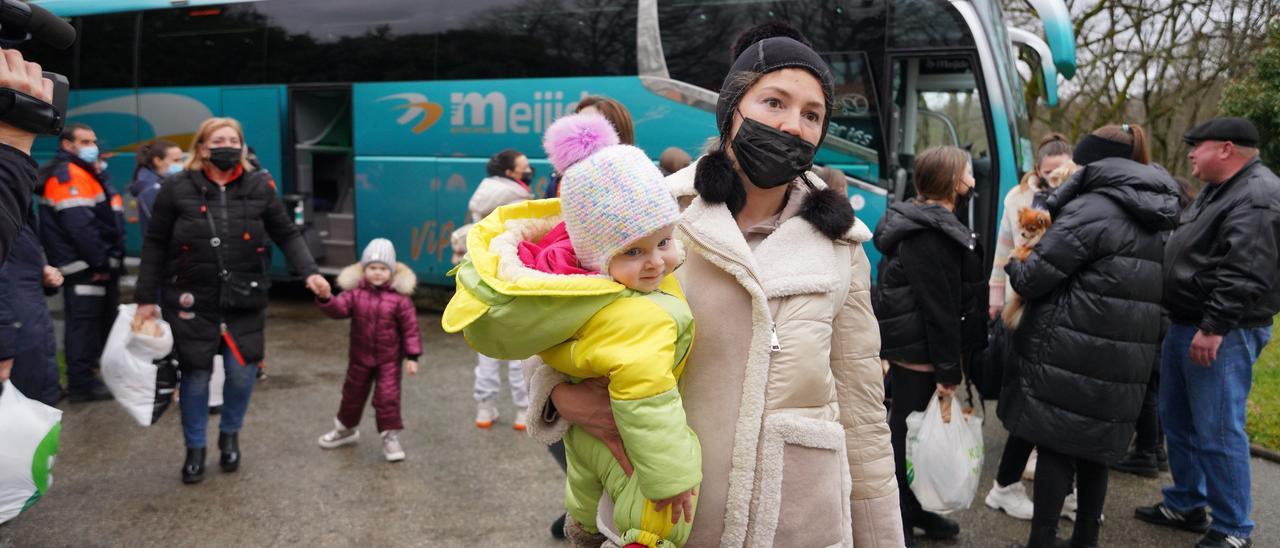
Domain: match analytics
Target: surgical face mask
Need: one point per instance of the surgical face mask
(225, 158)
(89, 154)
(174, 169)
(770, 158)
(527, 177)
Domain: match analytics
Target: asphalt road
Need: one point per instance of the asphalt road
(117, 484)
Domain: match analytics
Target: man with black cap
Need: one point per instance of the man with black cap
(1220, 292)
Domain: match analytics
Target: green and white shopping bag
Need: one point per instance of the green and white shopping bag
(28, 444)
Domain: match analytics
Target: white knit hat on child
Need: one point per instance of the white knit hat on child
(379, 250)
(610, 195)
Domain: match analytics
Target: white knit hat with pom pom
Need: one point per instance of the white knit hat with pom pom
(610, 195)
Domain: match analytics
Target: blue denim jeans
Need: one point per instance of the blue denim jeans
(1203, 411)
(194, 398)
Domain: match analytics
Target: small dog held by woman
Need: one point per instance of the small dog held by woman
(1033, 222)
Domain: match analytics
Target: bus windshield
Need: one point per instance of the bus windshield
(697, 36)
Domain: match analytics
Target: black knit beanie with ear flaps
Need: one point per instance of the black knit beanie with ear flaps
(778, 48)
(767, 48)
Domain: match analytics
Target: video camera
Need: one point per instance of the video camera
(19, 22)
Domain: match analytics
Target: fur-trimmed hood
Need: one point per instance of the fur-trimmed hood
(403, 280)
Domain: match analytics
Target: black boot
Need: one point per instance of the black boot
(1085, 533)
(1162, 458)
(1139, 463)
(557, 528)
(193, 468)
(229, 444)
(934, 525)
(1043, 537)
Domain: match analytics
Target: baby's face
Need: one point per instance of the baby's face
(377, 273)
(643, 264)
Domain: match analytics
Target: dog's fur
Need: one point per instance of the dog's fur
(1032, 224)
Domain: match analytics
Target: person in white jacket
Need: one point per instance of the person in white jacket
(508, 183)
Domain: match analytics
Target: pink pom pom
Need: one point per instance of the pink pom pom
(575, 137)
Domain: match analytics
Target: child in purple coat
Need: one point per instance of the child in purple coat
(384, 332)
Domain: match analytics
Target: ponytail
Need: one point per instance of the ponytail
(1133, 135)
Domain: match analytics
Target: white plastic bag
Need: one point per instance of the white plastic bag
(944, 459)
(128, 367)
(29, 434)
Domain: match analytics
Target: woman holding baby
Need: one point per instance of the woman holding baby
(1083, 351)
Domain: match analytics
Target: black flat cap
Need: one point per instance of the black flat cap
(1237, 130)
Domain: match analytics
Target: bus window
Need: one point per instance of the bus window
(697, 36)
(295, 41)
(927, 24)
(213, 45)
(937, 103)
(527, 38)
(106, 51)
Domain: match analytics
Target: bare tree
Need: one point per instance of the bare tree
(1161, 63)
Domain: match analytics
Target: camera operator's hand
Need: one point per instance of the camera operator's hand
(21, 75)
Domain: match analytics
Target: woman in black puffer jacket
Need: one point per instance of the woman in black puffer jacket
(1091, 328)
(206, 247)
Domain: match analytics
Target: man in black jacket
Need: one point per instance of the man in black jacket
(1220, 291)
(17, 169)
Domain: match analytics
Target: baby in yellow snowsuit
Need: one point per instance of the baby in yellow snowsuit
(594, 297)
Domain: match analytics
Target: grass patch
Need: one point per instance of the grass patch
(62, 369)
(1263, 423)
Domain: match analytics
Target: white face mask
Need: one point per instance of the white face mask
(89, 154)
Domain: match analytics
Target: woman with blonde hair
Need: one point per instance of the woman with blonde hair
(1007, 493)
(207, 242)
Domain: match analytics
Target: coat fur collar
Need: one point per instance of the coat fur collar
(403, 281)
(797, 258)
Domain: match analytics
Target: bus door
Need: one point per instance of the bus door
(322, 196)
(937, 102)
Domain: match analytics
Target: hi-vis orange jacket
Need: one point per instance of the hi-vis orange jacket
(81, 217)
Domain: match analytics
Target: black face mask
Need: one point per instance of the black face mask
(770, 158)
(527, 177)
(962, 200)
(225, 158)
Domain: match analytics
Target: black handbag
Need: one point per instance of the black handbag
(244, 291)
(237, 290)
(986, 371)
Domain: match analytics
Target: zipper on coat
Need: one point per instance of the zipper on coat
(774, 344)
(222, 199)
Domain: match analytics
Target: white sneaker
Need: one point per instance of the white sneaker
(339, 436)
(1029, 473)
(391, 446)
(1069, 508)
(521, 417)
(486, 414)
(1012, 499)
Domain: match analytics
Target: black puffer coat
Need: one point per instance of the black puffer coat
(1088, 338)
(178, 254)
(931, 294)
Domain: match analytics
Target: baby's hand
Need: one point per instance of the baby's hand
(411, 366)
(682, 503)
(324, 293)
